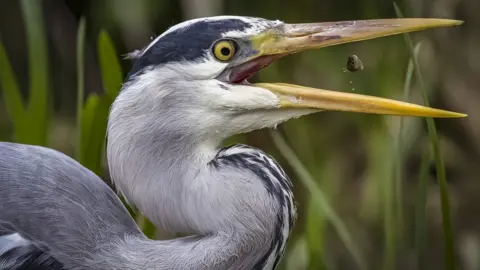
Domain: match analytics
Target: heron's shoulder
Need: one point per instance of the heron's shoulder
(10, 150)
(50, 168)
(243, 151)
(37, 157)
(255, 160)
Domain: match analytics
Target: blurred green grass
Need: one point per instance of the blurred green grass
(311, 155)
(440, 165)
(30, 118)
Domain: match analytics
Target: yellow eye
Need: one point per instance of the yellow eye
(224, 50)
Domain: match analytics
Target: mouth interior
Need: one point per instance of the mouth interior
(239, 74)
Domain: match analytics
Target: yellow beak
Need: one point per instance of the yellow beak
(293, 38)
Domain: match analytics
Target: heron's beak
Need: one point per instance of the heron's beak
(293, 38)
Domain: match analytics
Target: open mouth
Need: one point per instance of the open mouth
(240, 74)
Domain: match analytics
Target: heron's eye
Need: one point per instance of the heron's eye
(224, 50)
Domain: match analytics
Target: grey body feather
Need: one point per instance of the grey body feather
(60, 206)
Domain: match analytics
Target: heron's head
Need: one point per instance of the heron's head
(194, 77)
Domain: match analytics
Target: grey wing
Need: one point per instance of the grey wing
(62, 210)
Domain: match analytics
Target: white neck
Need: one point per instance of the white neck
(179, 192)
(160, 179)
(177, 189)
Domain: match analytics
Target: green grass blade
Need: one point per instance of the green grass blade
(400, 135)
(94, 116)
(407, 87)
(93, 132)
(394, 216)
(88, 117)
(421, 214)
(319, 198)
(384, 154)
(38, 109)
(441, 177)
(12, 96)
(109, 65)
(146, 226)
(315, 232)
(399, 141)
(95, 113)
(298, 257)
(80, 81)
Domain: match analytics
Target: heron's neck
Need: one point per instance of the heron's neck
(170, 181)
(158, 175)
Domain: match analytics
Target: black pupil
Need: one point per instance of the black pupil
(225, 51)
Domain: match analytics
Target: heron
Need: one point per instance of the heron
(187, 92)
